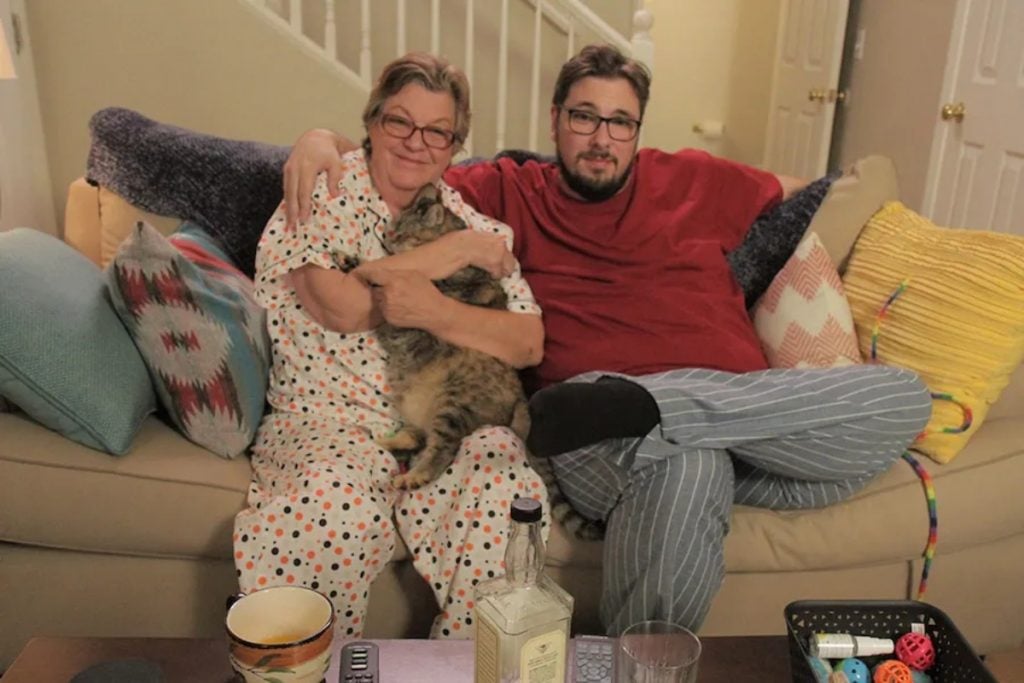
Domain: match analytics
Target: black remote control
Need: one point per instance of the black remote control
(359, 663)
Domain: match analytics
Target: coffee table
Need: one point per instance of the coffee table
(57, 660)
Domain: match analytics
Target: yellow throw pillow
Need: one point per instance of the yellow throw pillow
(959, 322)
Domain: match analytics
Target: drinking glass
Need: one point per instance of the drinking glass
(657, 652)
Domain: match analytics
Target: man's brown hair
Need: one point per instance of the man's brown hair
(603, 61)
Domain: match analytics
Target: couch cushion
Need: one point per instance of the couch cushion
(168, 497)
(884, 522)
(889, 519)
(957, 318)
(96, 221)
(172, 498)
(65, 358)
(118, 219)
(196, 321)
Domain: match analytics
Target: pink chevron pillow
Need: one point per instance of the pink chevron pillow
(803, 319)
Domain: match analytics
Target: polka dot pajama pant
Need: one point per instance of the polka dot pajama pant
(323, 514)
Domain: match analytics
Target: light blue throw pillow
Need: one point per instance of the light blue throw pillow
(65, 358)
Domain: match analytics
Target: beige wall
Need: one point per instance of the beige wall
(219, 68)
(209, 65)
(713, 61)
(895, 89)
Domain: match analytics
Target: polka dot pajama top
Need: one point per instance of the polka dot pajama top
(321, 510)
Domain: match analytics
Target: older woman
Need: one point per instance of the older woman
(322, 511)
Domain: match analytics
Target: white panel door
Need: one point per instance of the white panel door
(26, 196)
(807, 60)
(976, 172)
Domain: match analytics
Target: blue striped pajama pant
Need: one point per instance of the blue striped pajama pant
(779, 439)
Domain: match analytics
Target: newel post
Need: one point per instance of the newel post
(643, 45)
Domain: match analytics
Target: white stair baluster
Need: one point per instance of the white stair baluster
(330, 31)
(468, 144)
(573, 19)
(400, 48)
(570, 39)
(435, 27)
(364, 52)
(538, 14)
(499, 141)
(641, 42)
(584, 16)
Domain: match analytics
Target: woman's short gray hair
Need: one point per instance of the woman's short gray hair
(433, 73)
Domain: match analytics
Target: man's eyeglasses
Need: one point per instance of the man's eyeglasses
(402, 128)
(583, 122)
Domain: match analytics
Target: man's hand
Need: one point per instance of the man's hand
(487, 251)
(317, 150)
(790, 185)
(407, 298)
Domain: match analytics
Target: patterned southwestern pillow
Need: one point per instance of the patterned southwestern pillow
(959, 321)
(194, 318)
(803, 320)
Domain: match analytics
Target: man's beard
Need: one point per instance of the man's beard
(593, 190)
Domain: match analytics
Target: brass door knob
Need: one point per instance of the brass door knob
(835, 95)
(953, 111)
(816, 95)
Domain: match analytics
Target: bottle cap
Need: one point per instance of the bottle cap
(867, 646)
(526, 510)
(843, 645)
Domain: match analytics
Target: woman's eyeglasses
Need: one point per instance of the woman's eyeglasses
(583, 122)
(402, 128)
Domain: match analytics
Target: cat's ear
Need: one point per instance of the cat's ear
(435, 214)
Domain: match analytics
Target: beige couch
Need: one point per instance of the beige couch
(140, 545)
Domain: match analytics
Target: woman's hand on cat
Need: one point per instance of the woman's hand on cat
(487, 251)
(406, 298)
(315, 151)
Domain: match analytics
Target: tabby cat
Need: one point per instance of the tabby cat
(444, 392)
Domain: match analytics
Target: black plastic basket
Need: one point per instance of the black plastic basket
(955, 660)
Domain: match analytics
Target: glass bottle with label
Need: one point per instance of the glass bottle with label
(522, 618)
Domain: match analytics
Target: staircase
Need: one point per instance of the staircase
(511, 50)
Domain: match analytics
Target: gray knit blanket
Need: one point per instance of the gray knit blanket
(229, 187)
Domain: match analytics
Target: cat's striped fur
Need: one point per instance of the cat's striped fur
(445, 392)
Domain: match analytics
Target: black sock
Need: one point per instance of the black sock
(568, 416)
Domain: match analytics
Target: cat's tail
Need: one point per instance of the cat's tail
(562, 510)
(520, 423)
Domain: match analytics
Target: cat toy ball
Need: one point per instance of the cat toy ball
(856, 670)
(893, 671)
(916, 651)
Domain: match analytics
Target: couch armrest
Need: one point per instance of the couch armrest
(96, 221)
